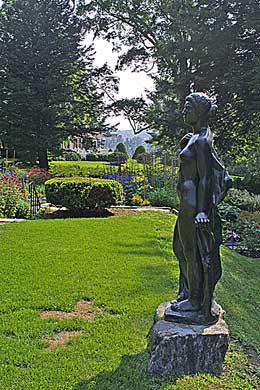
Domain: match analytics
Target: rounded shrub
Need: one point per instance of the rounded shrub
(140, 150)
(121, 148)
(117, 158)
(72, 156)
(91, 157)
(83, 193)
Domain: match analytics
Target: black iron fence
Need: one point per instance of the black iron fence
(158, 171)
(34, 200)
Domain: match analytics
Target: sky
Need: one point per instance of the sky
(132, 84)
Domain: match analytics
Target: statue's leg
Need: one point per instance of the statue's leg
(178, 250)
(216, 269)
(188, 237)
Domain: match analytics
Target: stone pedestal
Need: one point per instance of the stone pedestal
(177, 348)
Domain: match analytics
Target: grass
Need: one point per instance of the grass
(123, 265)
(92, 168)
(81, 168)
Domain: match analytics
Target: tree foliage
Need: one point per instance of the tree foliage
(138, 151)
(48, 85)
(121, 148)
(210, 46)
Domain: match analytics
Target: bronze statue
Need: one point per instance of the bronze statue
(203, 183)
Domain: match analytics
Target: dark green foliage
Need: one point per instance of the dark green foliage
(91, 157)
(240, 216)
(251, 182)
(163, 197)
(72, 156)
(117, 158)
(48, 85)
(243, 200)
(228, 212)
(143, 158)
(113, 157)
(237, 182)
(197, 46)
(121, 148)
(80, 194)
(140, 150)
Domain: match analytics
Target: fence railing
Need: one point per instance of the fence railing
(160, 172)
(34, 200)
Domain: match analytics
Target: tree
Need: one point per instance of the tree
(121, 148)
(208, 46)
(139, 151)
(48, 85)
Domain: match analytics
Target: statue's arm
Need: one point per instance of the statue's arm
(184, 141)
(204, 192)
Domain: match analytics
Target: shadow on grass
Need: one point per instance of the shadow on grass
(131, 374)
(96, 213)
(146, 249)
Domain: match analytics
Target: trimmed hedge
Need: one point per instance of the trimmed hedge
(83, 193)
(114, 157)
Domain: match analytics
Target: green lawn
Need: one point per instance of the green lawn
(123, 265)
(81, 168)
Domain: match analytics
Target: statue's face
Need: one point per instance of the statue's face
(189, 113)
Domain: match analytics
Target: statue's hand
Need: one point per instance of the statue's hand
(201, 218)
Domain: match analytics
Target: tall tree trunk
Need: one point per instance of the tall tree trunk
(43, 158)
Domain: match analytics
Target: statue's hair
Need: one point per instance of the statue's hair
(203, 103)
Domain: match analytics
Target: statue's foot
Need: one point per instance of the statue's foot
(185, 305)
(181, 297)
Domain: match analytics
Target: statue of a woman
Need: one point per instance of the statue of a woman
(203, 183)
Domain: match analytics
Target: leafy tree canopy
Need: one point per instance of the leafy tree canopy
(48, 85)
(210, 46)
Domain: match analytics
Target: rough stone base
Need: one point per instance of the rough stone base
(186, 349)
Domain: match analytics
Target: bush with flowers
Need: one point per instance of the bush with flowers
(128, 182)
(241, 228)
(12, 197)
(137, 200)
(39, 175)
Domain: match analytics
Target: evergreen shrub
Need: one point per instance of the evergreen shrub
(72, 156)
(117, 158)
(140, 150)
(121, 148)
(83, 193)
(243, 200)
(252, 183)
(114, 157)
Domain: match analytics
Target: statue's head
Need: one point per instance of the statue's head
(198, 106)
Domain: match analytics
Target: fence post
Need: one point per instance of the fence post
(34, 200)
